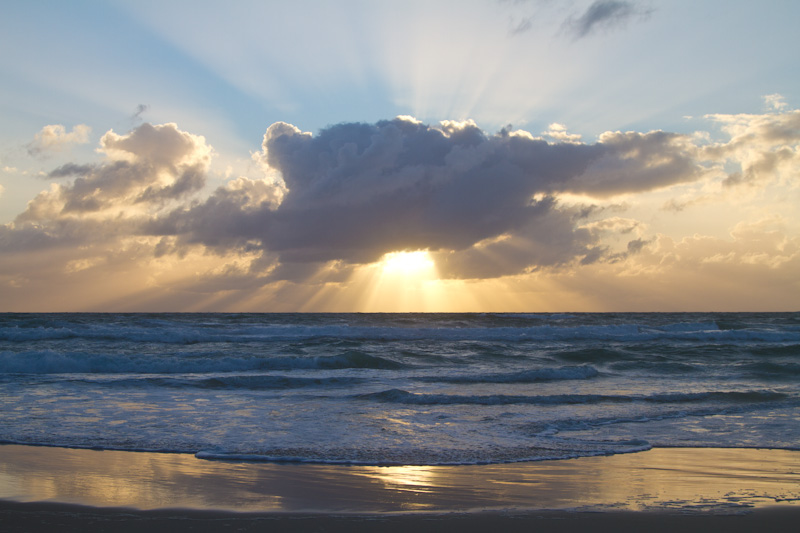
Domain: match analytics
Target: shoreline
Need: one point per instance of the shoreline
(660, 490)
(716, 480)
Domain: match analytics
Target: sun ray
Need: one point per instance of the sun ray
(400, 282)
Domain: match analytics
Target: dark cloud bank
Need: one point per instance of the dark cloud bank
(483, 204)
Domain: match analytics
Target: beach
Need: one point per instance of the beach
(661, 489)
(351, 422)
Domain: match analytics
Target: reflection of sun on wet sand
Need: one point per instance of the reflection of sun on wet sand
(709, 484)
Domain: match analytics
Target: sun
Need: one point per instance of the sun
(405, 281)
(410, 264)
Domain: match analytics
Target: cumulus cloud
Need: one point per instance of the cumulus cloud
(764, 147)
(604, 14)
(550, 239)
(357, 191)
(558, 132)
(55, 138)
(150, 165)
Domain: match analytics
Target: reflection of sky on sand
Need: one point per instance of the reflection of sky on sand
(700, 478)
(110, 478)
(686, 479)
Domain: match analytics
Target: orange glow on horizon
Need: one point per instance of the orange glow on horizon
(400, 281)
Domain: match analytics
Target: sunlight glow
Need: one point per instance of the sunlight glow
(416, 264)
(399, 282)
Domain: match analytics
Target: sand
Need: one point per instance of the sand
(54, 517)
(662, 489)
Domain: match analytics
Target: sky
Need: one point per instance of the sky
(439, 155)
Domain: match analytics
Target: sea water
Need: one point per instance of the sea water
(400, 388)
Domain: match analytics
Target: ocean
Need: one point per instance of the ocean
(400, 389)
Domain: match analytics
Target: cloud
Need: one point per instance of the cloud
(357, 191)
(150, 165)
(159, 146)
(519, 26)
(527, 16)
(102, 208)
(401, 185)
(775, 102)
(558, 132)
(140, 110)
(764, 147)
(636, 162)
(54, 137)
(604, 14)
(757, 272)
(550, 239)
(484, 206)
(753, 269)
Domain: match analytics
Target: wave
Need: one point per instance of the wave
(525, 376)
(773, 370)
(400, 396)
(532, 316)
(293, 459)
(193, 333)
(50, 362)
(790, 350)
(444, 457)
(388, 456)
(658, 367)
(763, 370)
(246, 382)
(592, 355)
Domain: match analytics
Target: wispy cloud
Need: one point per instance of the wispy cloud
(140, 110)
(604, 14)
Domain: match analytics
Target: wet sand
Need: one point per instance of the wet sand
(19, 517)
(661, 489)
